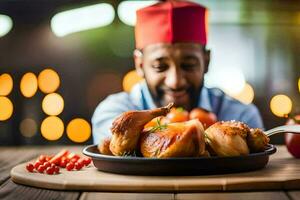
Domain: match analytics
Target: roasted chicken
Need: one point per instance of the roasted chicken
(257, 141)
(150, 133)
(228, 138)
(184, 139)
(126, 129)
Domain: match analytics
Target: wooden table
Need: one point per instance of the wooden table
(11, 156)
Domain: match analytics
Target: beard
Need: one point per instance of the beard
(186, 98)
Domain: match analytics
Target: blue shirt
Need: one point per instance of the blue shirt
(211, 99)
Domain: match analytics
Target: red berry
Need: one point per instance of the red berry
(30, 167)
(47, 164)
(74, 160)
(63, 163)
(37, 164)
(78, 165)
(41, 168)
(70, 166)
(87, 161)
(50, 170)
(48, 158)
(81, 162)
(53, 165)
(65, 159)
(56, 170)
(42, 158)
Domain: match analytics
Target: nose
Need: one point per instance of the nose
(175, 79)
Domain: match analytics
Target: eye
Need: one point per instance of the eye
(189, 65)
(160, 67)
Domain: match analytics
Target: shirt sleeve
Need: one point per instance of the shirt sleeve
(106, 112)
(252, 117)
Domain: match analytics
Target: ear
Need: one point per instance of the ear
(138, 61)
(206, 60)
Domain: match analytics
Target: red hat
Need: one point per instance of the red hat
(170, 22)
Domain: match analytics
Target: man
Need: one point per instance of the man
(171, 56)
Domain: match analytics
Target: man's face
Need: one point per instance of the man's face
(174, 72)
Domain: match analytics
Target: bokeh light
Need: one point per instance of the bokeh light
(79, 130)
(130, 79)
(53, 104)
(6, 84)
(28, 127)
(52, 128)
(48, 81)
(6, 24)
(6, 108)
(246, 95)
(281, 105)
(230, 80)
(28, 84)
(81, 19)
(127, 10)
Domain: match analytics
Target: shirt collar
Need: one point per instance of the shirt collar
(204, 101)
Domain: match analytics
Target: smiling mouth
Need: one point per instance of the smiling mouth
(176, 94)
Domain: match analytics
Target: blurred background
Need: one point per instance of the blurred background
(60, 58)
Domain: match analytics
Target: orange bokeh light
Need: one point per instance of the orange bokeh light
(48, 81)
(281, 105)
(6, 108)
(52, 128)
(130, 79)
(246, 95)
(53, 104)
(6, 84)
(79, 130)
(28, 84)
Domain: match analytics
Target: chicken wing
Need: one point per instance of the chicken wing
(257, 141)
(126, 129)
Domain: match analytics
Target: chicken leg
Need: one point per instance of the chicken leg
(127, 127)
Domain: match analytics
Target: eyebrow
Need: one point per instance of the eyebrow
(161, 58)
(190, 57)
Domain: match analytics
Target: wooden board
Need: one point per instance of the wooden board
(282, 172)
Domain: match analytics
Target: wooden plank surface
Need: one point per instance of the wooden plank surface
(11, 157)
(234, 196)
(9, 190)
(126, 196)
(13, 191)
(294, 195)
(282, 172)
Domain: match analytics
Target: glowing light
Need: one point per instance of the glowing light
(52, 128)
(48, 81)
(231, 80)
(6, 108)
(79, 130)
(29, 84)
(299, 84)
(6, 25)
(6, 84)
(281, 105)
(246, 95)
(130, 79)
(81, 19)
(127, 10)
(28, 128)
(53, 104)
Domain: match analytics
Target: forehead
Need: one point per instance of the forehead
(172, 50)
